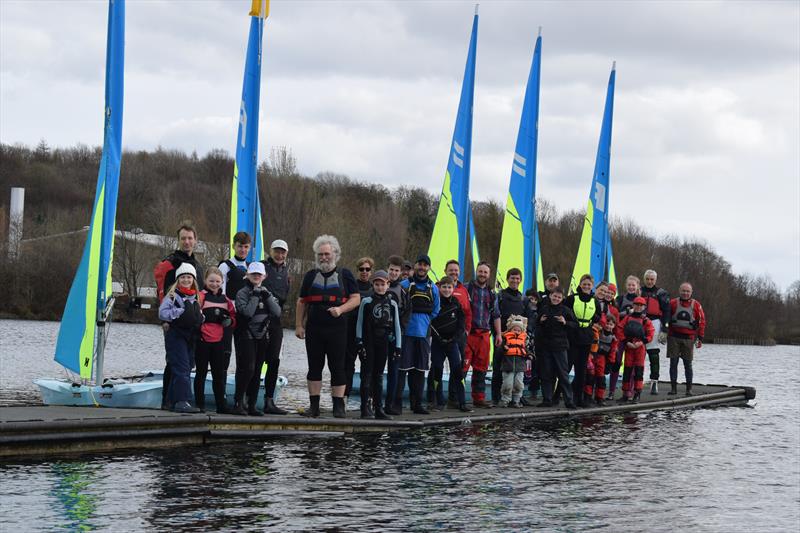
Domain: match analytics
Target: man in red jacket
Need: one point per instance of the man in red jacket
(687, 327)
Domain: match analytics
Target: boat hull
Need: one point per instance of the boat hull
(145, 393)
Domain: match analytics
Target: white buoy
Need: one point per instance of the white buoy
(16, 213)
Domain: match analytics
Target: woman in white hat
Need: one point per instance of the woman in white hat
(181, 310)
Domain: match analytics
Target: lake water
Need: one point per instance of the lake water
(719, 469)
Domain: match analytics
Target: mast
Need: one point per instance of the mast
(245, 201)
(449, 238)
(85, 313)
(518, 244)
(594, 246)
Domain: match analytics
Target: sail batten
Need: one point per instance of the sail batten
(519, 246)
(449, 238)
(594, 250)
(91, 286)
(245, 201)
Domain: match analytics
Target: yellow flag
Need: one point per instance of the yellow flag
(259, 8)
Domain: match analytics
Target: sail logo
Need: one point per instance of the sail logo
(458, 150)
(599, 196)
(243, 123)
(519, 168)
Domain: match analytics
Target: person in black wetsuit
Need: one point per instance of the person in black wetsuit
(326, 294)
(365, 267)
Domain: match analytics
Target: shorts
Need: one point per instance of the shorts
(416, 353)
(677, 347)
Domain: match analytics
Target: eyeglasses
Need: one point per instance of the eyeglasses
(364, 269)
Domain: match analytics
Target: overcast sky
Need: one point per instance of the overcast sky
(706, 140)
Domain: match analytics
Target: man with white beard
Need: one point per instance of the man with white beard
(326, 294)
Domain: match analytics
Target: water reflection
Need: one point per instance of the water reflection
(72, 488)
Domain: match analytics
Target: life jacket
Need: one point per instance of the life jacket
(625, 303)
(215, 308)
(654, 296)
(510, 303)
(584, 311)
(191, 318)
(515, 343)
(421, 300)
(257, 324)
(326, 290)
(684, 316)
(634, 328)
(277, 280)
(236, 278)
(604, 342)
(382, 313)
(446, 322)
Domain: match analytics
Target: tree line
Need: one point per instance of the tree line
(160, 188)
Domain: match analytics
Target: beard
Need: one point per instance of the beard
(326, 266)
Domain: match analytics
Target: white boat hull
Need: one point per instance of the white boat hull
(145, 393)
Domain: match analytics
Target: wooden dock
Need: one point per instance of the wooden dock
(48, 430)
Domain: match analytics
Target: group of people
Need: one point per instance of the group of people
(397, 320)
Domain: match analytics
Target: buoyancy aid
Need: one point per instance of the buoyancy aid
(625, 303)
(421, 300)
(235, 278)
(328, 290)
(634, 328)
(446, 322)
(683, 316)
(584, 311)
(277, 280)
(515, 343)
(604, 342)
(215, 308)
(656, 298)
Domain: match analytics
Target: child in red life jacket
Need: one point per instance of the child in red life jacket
(602, 357)
(634, 332)
(515, 360)
(220, 319)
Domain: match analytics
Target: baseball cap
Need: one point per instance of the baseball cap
(256, 267)
(639, 301)
(423, 258)
(279, 243)
(380, 274)
(552, 275)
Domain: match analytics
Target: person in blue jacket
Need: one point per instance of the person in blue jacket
(416, 349)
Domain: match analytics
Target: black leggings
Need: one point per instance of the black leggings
(377, 352)
(250, 356)
(219, 357)
(330, 342)
(273, 358)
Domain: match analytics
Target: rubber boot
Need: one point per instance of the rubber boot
(271, 409)
(417, 382)
(654, 388)
(380, 414)
(252, 411)
(673, 389)
(238, 409)
(689, 389)
(338, 408)
(313, 410)
(366, 410)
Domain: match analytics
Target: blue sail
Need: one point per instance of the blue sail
(245, 202)
(519, 235)
(449, 238)
(92, 284)
(594, 239)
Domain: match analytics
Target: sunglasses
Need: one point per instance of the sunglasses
(364, 269)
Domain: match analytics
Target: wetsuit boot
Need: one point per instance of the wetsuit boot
(636, 396)
(673, 389)
(689, 389)
(238, 409)
(654, 388)
(338, 408)
(380, 414)
(313, 410)
(253, 411)
(271, 409)
(366, 410)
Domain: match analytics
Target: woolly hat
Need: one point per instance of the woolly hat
(517, 321)
(185, 268)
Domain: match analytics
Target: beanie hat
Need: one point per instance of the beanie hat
(185, 268)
